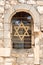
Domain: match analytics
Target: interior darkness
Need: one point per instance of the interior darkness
(21, 14)
(17, 19)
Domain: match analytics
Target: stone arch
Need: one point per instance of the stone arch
(27, 8)
(33, 12)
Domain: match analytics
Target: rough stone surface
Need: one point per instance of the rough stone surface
(1, 9)
(6, 34)
(1, 26)
(40, 9)
(31, 2)
(41, 22)
(1, 33)
(9, 56)
(1, 59)
(8, 43)
(1, 43)
(5, 52)
(6, 63)
(7, 27)
(2, 2)
(40, 2)
(14, 2)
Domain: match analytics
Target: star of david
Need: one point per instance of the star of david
(23, 27)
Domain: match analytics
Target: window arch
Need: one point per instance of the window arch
(22, 25)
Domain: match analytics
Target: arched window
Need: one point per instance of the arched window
(21, 30)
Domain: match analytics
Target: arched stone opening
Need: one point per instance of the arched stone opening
(22, 30)
(22, 23)
(32, 11)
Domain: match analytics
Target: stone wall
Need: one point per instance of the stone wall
(32, 56)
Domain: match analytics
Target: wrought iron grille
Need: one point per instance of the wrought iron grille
(21, 31)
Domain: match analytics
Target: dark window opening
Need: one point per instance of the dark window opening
(21, 31)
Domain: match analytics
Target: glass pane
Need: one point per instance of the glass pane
(21, 31)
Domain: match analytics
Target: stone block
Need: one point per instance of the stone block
(16, 55)
(41, 37)
(22, 1)
(1, 59)
(20, 60)
(41, 22)
(2, 2)
(1, 43)
(15, 63)
(36, 64)
(1, 9)
(29, 60)
(1, 63)
(41, 61)
(30, 55)
(41, 17)
(1, 33)
(23, 64)
(7, 6)
(8, 43)
(40, 2)
(3, 16)
(9, 60)
(6, 34)
(31, 2)
(1, 20)
(41, 28)
(1, 26)
(36, 28)
(37, 40)
(36, 54)
(41, 55)
(6, 26)
(13, 2)
(6, 63)
(5, 52)
(40, 9)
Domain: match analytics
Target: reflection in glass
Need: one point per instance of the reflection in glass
(21, 30)
(16, 22)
